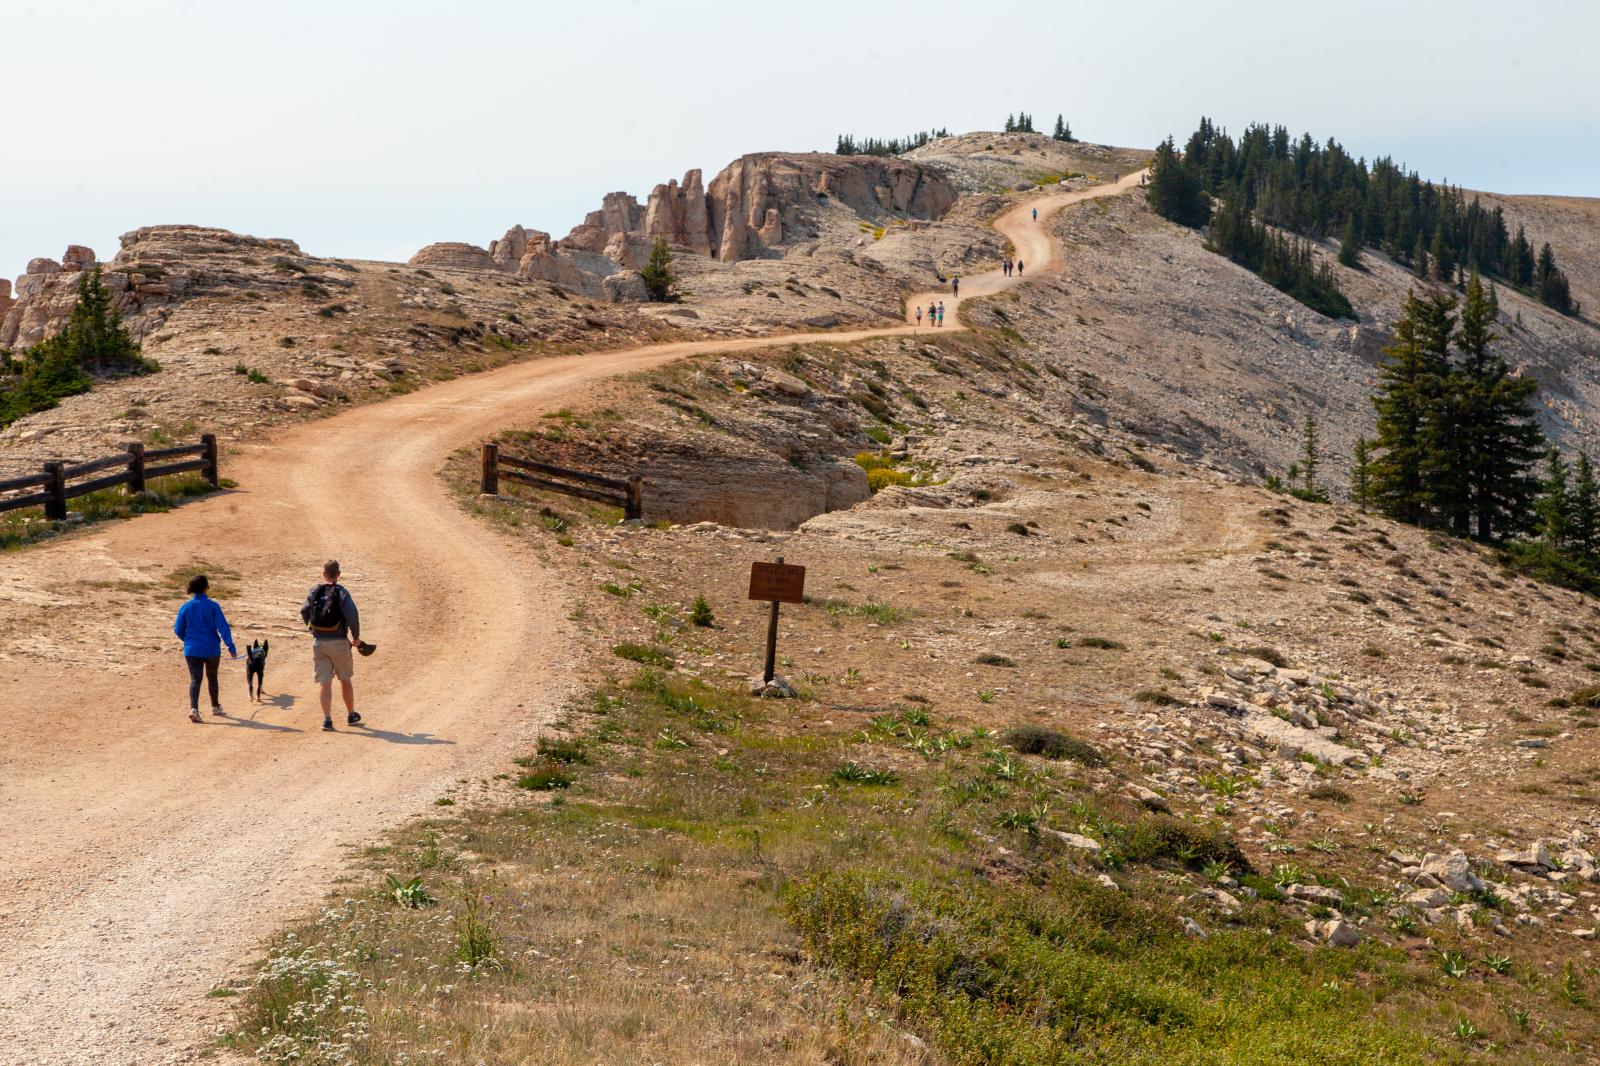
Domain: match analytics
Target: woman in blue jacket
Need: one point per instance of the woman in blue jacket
(203, 630)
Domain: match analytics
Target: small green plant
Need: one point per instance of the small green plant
(645, 654)
(545, 779)
(1454, 964)
(475, 941)
(1500, 964)
(700, 614)
(1465, 1031)
(986, 695)
(854, 773)
(410, 893)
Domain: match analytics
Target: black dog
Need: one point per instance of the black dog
(255, 667)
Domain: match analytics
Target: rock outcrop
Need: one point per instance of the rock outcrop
(157, 268)
(680, 215)
(760, 201)
(453, 255)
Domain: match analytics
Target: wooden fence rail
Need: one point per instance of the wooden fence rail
(627, 494)
(133, 470)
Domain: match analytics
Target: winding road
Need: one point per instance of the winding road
(143, 859)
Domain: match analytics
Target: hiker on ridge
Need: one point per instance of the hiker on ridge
(335, 626)
(919, 314)
(955, 286)
(203, 630)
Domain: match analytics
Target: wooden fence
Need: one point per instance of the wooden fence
(628, 495)
(133, 469)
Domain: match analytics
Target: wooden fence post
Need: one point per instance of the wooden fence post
(55, 508)
(490, 483)
(135, 467)
(635, 507)
(212, 471)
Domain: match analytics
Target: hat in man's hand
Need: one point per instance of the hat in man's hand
(366, 649)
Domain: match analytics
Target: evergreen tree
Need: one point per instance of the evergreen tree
(1304, 470)
(1410, 384)
(1011, 123)
(1361, 475)
(657, 273)
(1500, 440)
(1063, 131)
(1585, 509)
(94, 334)
(1443, 257)
(1174, 191)
(1350, 245)
(1555, 505)
(1419, 258)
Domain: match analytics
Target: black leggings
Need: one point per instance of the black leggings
(196, 666)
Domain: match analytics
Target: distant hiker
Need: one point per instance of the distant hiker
(335, 626)
(941, 312)
(1019, 268)
(955, 286)
(203, 630)
(933, 315)
(1036, 214)
(1007, 266)
(919, 314)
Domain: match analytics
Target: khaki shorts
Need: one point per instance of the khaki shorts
(332, 658)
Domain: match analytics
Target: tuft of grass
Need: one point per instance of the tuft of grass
(645, 654)
(1102, 643)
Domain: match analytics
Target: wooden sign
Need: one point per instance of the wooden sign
(777, 582)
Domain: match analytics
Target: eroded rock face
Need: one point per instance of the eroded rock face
(157, 268)
(760, 201)
(679, 215)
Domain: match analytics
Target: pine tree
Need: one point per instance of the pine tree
(1419, 258)
(1174, 191)
(1500, 440)
(1350, 245)
(1407, 402)
(1443, 256)
(1361, 475)
(1555, 505)
(1063, 131)
(94, 334)
(1585, 507)
(1011, 123)
(1305, 468)
(657, 273)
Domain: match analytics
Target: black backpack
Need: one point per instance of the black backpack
(327, 609)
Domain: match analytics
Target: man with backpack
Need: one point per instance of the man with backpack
(335, 626)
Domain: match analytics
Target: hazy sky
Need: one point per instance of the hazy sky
(369, 129)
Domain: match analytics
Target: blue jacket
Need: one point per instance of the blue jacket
(199, 625)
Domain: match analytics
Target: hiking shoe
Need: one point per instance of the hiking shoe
(327, 725)
(194, 716)
(218, 711)
(352, 718)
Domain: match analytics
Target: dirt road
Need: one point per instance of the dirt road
(146, 857)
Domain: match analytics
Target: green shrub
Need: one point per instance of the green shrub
(648, 654)
(1053, 744)
(1266, 654)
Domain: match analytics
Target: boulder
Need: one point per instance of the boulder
(1453, 871)
(1149, 799)
(1536, 854)
(1075, 841)
(1335, 931)
(625, 287)
(1327, 897)
(629, 250)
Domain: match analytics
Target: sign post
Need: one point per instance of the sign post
(776, 583)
